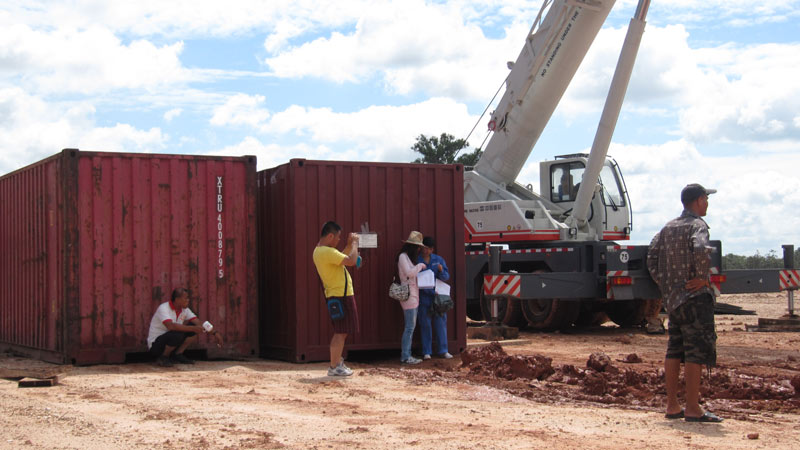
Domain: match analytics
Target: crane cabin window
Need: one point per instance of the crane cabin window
(612, 194)
(565, 179)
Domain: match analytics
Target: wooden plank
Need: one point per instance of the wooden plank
(15, 367)
(32, 372)
(37, 382)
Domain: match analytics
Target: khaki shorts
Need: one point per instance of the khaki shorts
(692, 337)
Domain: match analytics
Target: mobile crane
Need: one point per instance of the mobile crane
(558, 262)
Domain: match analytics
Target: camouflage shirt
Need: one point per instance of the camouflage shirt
(677, 254)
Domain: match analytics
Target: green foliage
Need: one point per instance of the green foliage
(758, 261)
(443, 150)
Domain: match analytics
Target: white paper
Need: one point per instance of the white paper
(442, 288)
(426, 279)
(367, 240)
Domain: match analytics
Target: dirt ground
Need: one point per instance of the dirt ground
(538, 392)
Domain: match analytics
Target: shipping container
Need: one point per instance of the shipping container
(93, 242)
(389, 199)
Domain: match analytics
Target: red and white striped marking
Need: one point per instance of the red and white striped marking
(538, 250)
(478, 252)
(502, 285)
(789, 279)
(609, 275)
(715, 285)
(524, 251)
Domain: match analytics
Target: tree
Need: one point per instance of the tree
(757, 261)
(443, 150)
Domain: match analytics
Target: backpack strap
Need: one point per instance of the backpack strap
(344, 294)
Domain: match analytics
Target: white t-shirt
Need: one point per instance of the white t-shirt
(165, 313)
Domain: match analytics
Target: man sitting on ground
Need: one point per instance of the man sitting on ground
(169, 333)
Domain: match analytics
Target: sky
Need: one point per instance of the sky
(714, 97)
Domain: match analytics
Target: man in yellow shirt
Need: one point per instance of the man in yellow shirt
(337, 283)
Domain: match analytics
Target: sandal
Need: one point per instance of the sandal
(707, 417)
(678, 415)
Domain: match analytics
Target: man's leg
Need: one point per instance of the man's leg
(653, 324)
(692, 373)
(440, 331)
(186, 343)
(673, 359)
(672, 370)
(337, 347)
(164, 346)
(425, 330)
(700, 339)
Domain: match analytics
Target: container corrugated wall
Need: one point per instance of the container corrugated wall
(295, 199)
(94, 242)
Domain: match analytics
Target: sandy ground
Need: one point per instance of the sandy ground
(536, 393)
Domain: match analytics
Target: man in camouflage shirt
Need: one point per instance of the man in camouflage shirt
(679, 260)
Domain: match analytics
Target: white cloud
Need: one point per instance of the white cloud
(172, 113)
(93, 60)
(31, 129)
(726, 13)
(757, 205)
(730, 93)
(270, 155)
(186, 18)
(413, 47)
(376, 133)
(64, 65)
(241, 109)
(754, 96)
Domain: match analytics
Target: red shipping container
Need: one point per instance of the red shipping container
(389, 199)
(93, 242)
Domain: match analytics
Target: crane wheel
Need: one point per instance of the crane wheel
(591, 314)
(508, 308)
(630, 313)
(550, 314)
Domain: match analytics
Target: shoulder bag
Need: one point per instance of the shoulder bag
(335, 304)
(399, 292)
(441, 304)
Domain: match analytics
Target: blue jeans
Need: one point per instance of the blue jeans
(408, 332)
(430, 327)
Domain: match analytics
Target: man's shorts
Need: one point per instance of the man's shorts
(692, 337)
(348, 325)
(170, 338)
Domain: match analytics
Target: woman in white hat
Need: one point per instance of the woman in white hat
(408, 276)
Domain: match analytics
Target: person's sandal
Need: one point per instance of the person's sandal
(707, 417)
(677, 415)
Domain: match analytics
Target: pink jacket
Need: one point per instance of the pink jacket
(408, 275)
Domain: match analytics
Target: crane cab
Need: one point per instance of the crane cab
(609, 210)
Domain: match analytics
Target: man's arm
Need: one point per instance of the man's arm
(444, 273)
(195, 321)
(351, 250)
(701, 252)
(652, 257)
(172, 326)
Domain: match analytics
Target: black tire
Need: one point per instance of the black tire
(591, 314)
(508, 309)
(474, 310)
(629, 313)
(550, 314)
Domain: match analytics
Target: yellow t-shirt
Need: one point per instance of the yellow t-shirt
(330, 269)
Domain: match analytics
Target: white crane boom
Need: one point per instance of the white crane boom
(544, 68)
(608, 120)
